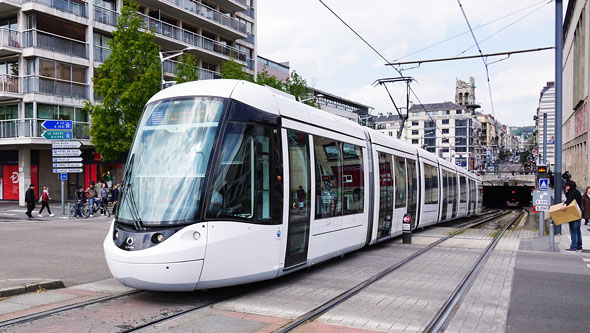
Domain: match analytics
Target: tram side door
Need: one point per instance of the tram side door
(299, 199)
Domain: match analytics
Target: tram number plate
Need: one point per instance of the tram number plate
(542, 208)
(406, 227)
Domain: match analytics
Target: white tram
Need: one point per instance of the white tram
(228, 182)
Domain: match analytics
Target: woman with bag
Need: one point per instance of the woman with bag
(45, 201)
(586, 206)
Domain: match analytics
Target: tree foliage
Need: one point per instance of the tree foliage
(233, 70)
(125, 82)
(187, 69)
(265, 79)
(297, 86)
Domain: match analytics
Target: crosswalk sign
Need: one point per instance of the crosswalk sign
(543, 184)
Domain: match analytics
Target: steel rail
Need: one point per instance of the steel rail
(318, 311)
(47, 313)
(448, 309)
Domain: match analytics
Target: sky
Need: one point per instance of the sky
(331, 58)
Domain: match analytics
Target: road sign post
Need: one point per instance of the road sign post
(407, 229)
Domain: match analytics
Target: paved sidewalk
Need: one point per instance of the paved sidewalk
(12, 212)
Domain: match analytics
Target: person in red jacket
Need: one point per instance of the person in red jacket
(45, 201)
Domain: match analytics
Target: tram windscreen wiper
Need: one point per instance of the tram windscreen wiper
(129, 194)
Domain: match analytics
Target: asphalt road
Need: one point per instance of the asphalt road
(69, 250)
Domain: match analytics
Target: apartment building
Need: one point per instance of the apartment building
(49, 50)
(447, 130)
(389, 124)
(546, 106)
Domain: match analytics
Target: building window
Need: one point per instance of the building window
(414, 132)
(459, 111)
(447, 112)
(415, 123)
(414, 141)
(445, 121)
(445, 140)
(445, 131)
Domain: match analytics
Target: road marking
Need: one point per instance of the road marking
(586, 259)
(7, 214)
(588, 266)
(18, 210)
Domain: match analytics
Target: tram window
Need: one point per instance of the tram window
(328, 167)
(430, 184)
(412, 189)
(400, 182)
(385, 195)
(463, 189)
(352, 179)
(242, 186)
(299, 173)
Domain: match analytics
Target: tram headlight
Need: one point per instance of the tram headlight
(157, 238)
(116, 234)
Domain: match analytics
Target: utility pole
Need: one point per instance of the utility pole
(558, 110)
(407, 80)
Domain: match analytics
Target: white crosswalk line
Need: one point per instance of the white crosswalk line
(586, 259)
(7, 214)
(18, 210)
(588, 265)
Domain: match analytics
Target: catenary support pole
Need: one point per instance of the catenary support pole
(63, 212)
(558, 108)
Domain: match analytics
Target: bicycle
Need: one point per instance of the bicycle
(85, 209)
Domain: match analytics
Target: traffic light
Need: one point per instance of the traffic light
(542, 170)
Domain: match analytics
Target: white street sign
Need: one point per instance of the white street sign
(67, 159)
(542, 208)
(67, 152)
(67, 165)
(67, 170)
(66, 144)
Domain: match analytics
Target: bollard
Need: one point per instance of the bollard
(407, 229)
(69, 211)
(551, 236)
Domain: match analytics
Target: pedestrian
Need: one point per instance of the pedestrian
(30, 199)
(571, 194)
(45, 201)
(80, 201)
(92, 197)
(115, 196)
(108, 179)
(104, 198)
(301, 196)
(586, 206)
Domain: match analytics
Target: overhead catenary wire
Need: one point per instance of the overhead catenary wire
(386, 61)
(545, 2)
(485, 62)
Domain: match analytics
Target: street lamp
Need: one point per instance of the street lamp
(168, 57)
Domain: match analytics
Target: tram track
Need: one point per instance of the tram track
(445, 313)
(234, 294)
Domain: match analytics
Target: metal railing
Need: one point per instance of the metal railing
(79, 8)
(55, 43)
(211, 14)
(204, 74)
(101, 53)
(9, 37)
(31, 128)
(250, 12)
(51, 86)
(10, 83)
(105, 16)
(174, 32)
(250, 39)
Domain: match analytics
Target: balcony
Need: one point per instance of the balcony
(9, 42)
(79, 8)
(250, 12)
(9, 5)
(105, 16)
(55, 43)
(250, 39)
(233, 5)
(187, 37)
(207, 17)
(101, 53)
(9, 87)
(31, 128)
(204, 74)
(51, 86)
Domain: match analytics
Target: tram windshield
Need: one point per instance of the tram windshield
(165, 176)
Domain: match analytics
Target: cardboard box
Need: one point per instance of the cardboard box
(559, 216)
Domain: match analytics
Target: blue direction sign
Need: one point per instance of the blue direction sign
(63, 176)
(57, 125)
(543, 184)
(58, 135)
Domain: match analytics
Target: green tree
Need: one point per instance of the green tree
(125, 81)
(233, 70)
(265, 79)
(297, 86)
(187, 69)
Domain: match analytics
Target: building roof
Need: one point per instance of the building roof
(435, 107)
(387, 118)
(346, 104)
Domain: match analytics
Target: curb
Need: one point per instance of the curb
(31, 287)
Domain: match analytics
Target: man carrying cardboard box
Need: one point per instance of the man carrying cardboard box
(571, 194)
